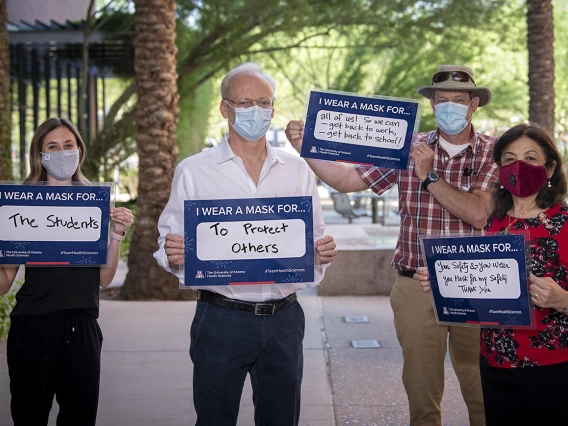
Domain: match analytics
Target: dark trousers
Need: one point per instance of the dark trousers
(524, 396)
(57, 354)
(227, 344)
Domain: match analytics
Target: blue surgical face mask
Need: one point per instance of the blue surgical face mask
(451, 117)
(251, 123)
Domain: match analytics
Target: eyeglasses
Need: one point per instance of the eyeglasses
(439, 77)
(247, 103)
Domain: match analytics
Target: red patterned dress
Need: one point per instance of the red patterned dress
(548, 343)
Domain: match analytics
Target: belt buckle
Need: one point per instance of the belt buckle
(259, 309)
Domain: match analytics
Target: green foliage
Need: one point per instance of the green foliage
(561, 72)
(215, 35)
(7, 303)
(194, 119)
(356, 60)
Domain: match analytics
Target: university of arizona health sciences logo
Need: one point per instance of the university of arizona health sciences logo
(446, 311)
(199, 274)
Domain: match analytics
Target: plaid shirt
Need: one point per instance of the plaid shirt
(420, 212)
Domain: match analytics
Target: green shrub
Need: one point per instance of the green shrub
(7, 303)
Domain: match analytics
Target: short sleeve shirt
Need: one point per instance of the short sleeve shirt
(473, 169)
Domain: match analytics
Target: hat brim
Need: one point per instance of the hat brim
(483, 93)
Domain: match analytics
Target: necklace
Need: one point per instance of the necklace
(508, 228)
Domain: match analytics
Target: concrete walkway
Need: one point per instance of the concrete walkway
(147, 373)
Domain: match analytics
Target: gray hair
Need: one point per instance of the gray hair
(246, 68)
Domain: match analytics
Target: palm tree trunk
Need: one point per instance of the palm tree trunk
(5, 119)
(156, 119)
(540, 40)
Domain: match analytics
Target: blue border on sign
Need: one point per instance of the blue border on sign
(481, 308)
(254, 269)
(358, 154)
(82, 253)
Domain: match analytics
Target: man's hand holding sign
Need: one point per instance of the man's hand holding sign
(325, 250)
(240, 226)
(248, 241)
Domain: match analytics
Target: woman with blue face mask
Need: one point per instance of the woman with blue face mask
(54, 343)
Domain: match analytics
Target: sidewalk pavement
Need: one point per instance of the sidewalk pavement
(147, 373)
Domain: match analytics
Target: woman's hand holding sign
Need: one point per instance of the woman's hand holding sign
(325, 250)
(546, 293)
(122, 218)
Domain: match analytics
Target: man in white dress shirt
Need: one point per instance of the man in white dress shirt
(256, 329)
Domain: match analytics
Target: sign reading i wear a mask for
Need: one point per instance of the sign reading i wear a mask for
(248, 241)
(54, 225)
(479, 280)
(369, 130)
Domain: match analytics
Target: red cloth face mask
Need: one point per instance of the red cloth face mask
(523, 179)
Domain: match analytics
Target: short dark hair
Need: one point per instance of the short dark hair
(547, 197)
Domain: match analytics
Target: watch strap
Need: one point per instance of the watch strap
(428, 181)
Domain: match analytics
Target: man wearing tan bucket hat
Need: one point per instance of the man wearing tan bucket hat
(444, 190)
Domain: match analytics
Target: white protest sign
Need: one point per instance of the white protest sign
(49, 223)
(479, 279)
(263, 239)
(356, 129)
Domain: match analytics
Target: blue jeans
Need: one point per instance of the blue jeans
(227, 344)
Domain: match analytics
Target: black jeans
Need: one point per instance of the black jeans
(57, 354)
(524, 396)
(227, 344)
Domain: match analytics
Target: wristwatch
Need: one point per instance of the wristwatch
(430, 178)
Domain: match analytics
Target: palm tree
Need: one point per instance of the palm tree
(156, 119)
(540, 40)
(5, 119)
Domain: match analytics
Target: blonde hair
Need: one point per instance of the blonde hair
(37, 171)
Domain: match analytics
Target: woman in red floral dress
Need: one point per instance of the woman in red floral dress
(524, 372)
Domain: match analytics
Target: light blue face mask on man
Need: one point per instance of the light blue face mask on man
(450, 117)
(251, 123)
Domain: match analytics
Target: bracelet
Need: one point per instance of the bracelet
(116, 236)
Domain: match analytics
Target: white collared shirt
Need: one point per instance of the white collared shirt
(218, 173)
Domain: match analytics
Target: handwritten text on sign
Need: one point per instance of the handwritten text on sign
(363, 130)
(50, 223)
(248, 241)
(269, 239)
(479, 279)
